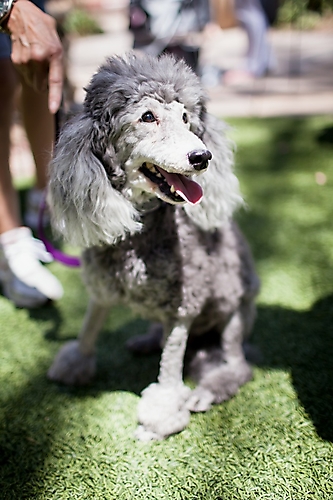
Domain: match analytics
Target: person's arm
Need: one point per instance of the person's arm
(36, 47)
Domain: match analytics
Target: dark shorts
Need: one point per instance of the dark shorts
(5, 45)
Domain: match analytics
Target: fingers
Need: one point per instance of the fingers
(37, 50)
(55, 82)
(42, 77)
(20, 51)
(40, 70)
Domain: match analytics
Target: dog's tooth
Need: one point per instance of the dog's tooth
(172, 189)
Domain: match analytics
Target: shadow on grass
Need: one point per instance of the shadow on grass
(326, 135)
(50, 314)
(29, 423)
(117, 368)
(33, 416)
(302, 342)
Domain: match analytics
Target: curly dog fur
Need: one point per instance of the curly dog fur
(122, 186)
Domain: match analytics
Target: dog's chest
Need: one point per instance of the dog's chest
(144, 271)
(169, 269)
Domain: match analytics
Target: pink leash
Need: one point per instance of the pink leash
(66, 260)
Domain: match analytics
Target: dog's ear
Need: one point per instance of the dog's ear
(219, 183)
(85, 207)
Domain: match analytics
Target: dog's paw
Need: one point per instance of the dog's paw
(162, 411)
(143, 434)
(201, 400)
(219, 384)
(71, 367)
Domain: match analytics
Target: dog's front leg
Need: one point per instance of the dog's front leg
(75, 363)
(162, 409)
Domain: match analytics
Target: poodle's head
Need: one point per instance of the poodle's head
(123, 82)
(142, 134)
(151, 111)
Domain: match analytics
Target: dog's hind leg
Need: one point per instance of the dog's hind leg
(221, 372)
(75, 363)
(162, 409)
(149, 342)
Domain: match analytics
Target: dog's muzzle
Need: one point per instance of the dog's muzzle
(176, 187)
(199, 159)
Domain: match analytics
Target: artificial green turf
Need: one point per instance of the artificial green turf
(272, 441)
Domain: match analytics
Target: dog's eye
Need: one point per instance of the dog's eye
(148, 117)
(185, 118)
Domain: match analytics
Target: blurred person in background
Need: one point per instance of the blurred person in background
(255, 17)
(169, 26)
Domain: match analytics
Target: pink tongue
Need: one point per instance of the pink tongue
(189, 190)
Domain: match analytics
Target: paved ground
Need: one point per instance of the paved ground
(302, 82)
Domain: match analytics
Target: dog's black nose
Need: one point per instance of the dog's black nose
(199, 158)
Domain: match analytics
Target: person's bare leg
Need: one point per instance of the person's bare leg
(40, 128)
(9, 203)
(23, 279)
(39, 124)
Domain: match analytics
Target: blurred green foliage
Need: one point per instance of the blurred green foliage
(303, 14)
(80, 23)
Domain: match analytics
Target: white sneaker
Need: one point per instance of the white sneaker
(24, 280)
(34, 199)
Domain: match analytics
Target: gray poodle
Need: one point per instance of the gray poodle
(122, 187)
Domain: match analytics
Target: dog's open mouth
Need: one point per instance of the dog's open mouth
(177, 187)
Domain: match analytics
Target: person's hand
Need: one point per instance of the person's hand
(37, 50)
